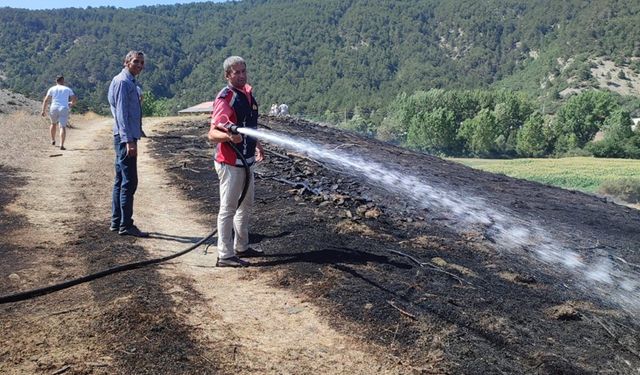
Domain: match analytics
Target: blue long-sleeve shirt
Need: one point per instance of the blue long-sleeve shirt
(125, 107)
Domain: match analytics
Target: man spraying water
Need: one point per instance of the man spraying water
(235, 105)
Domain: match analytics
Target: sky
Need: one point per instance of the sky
(48, 4)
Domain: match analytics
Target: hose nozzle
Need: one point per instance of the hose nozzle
(232, 128)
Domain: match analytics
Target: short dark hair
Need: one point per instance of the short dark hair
(59, 78)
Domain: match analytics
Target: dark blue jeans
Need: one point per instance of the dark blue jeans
(124, 186)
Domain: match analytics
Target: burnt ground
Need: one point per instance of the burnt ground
(437, 294)
(474, 305)
(181, 317)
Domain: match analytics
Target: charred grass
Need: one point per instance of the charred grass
(466, 308)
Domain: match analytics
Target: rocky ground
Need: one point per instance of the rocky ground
(395, 262)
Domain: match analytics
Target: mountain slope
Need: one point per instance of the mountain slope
(333, 55)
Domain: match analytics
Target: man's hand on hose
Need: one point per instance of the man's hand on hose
(235, 138)
(259, 152)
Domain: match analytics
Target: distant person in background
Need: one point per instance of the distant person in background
(274, 110)
(234, 104)
(283, 110)
(61, 99)
(127, 130)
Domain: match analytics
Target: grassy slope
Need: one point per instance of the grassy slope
(579, 173)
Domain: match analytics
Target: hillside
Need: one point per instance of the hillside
(319, 57)
(11, 102)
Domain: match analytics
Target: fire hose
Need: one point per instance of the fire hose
(133, 265)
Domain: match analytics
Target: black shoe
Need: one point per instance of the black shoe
(114, 228)
(250, 253)
(132, 231)
(53, 143)
(232, 262)
(62, 148)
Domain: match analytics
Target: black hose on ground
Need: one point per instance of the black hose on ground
(124, 267)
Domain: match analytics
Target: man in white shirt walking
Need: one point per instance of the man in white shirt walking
(62, 99)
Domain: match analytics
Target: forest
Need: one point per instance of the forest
(452, 77)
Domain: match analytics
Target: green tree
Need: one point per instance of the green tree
(480, 133)
(434, 131)
(153, 106)
(331, 117)
(582, 116)
(566, 143)
(632, 146)
(617, 141)
(531, 138)
(617, 127)
(357, 123)
(510, 112)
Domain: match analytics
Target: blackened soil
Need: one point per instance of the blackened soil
(419, 280)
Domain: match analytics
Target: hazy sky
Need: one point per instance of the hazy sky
(48, 4)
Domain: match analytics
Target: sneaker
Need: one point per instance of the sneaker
(53, 143)
(250, 253)
(62, 148)
(114, 227)
(132, 231)
(232, 262)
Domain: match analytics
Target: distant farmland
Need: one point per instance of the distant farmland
(578, 173)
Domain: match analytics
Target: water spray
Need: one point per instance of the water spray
(612, 281)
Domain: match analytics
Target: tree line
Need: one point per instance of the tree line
(504, 124)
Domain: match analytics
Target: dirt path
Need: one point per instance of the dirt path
(224, 320)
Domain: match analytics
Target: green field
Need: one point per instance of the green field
(578, 173)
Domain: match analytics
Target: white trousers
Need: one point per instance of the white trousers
(231, 218)
(59, 115)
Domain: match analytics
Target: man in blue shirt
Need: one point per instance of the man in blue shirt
(127, 130)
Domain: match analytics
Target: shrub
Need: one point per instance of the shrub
(626, 189)
(574, 152)
(154, 106)
(632, 147)
(357, 123)
(565, 143)
(606, 148)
